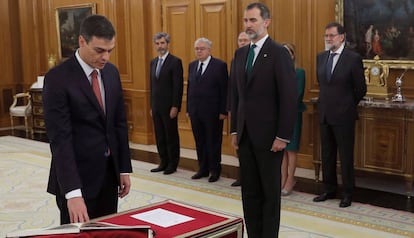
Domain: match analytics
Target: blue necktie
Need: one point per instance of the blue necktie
(157, 71)
(250, 58)
(329, 66)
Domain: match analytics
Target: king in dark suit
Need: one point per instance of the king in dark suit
(263, 113)
(206, 106)
(86, 125)
(342, 85)
(166, 75)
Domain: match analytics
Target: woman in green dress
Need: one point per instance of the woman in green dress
(291, 150)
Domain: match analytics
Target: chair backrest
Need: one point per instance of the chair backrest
(22, 100)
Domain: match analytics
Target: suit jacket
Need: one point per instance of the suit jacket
(339, 97)
(167, 89)
(264, 105)
(79, 132)
(209, 93)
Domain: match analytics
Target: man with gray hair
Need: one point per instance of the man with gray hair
(166, 85)
(206, 107)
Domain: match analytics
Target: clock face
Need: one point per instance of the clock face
(375, 71)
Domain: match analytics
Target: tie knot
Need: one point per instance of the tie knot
(94, 73)
(253, 46)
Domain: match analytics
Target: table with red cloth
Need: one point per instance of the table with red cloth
(205, 223)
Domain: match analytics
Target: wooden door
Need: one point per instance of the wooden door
(186, 21)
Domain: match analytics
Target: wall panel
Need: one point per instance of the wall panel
(177, 14)
(10, 62)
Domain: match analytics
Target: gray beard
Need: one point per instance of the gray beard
(252, 36)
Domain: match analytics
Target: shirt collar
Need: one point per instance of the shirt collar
(259, 43)
(205, 62)
(163, 56)
(339, 50)
(85, 67)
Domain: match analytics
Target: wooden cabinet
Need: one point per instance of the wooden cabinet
(384, 140)
(37, 109)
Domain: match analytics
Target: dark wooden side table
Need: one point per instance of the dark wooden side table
(37, 109)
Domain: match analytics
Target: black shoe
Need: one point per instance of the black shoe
(324, 197)
(213, 178)
(169, 170)
(199, 175)
(346, 201)
(236, 183)
(158, 169)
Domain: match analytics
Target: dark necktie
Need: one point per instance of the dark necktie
(95, 87)
(250, 58)
(199, 72)
(329, 66)
(157, 71)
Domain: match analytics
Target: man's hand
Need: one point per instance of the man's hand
(278, 145)
(234, 141)
(77, 210)
(125, 185)
(173, 112)
(222, 116)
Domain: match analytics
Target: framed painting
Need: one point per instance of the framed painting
(68, 20)
(383, 28)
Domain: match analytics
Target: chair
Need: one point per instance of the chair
(21, 107)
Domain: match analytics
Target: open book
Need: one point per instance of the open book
(79, 227)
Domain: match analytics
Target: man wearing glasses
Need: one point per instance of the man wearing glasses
(206, 107)
(342, 85)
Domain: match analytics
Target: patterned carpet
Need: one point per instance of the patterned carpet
(24, 204)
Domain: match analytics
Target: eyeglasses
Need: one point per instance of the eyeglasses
(200, 48)
(330, 35)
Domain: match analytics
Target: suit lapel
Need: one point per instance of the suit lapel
(106, 81)
(163, 66)
(206, 70)
(338, 64)
(85, 85)
(260, 59)
(325, 62)
(154, 67)
(243, 76)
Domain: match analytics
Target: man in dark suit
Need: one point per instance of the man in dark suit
(166, 75)
(86, 125)
(263, 113)
(206, 107)
(342, 85)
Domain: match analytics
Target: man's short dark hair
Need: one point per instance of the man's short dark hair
(264, 10)
(160, 35)
(98, 26)
(338, 26)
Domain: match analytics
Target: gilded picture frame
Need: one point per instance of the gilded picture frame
(381, 27)
(68, 20)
